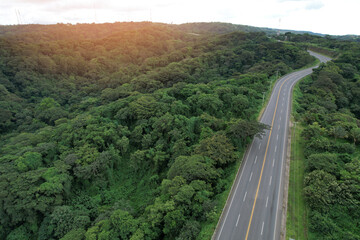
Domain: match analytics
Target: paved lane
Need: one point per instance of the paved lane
(253, 209)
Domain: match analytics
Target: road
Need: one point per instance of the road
(253, 209)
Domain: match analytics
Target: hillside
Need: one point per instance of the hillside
(221, 28)
(127, 130)
(94, 31)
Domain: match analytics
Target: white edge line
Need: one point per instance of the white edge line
(247, 156)
(286, 130)
(237, 221)
(267, 199)
(282, 161)
(232, 199)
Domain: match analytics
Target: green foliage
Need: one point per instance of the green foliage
(320, 190)
(242, 129)
(195, 167)
(75, 234)
(218, 148)
(328, 110)
(29, 161)
(127, 130)
(19, 233)
(144, 107)
(124, 224)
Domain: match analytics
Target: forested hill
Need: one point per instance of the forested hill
(127, 131)
(95, 31)
(68, 31)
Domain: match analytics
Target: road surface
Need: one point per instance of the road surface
(253, 210)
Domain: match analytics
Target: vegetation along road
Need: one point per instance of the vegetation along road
(253, 209)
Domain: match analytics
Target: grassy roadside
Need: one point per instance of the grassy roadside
(297, 214)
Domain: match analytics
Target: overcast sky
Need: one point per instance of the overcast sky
(336, 17)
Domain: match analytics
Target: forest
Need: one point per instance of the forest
(328, 108)
(131, 130)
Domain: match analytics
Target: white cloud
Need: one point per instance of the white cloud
(315, 5)
(324, 16)
(35, 1)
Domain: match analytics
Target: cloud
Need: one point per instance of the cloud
(102, 5)
(35, 1)
(293, 0)
(294, 14)
(59, 7)
(314, 5)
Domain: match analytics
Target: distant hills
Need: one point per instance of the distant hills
(94, 31)
(221, 28)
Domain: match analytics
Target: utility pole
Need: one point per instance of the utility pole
(18, 16)
(95, 16)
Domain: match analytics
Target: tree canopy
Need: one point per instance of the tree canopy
(129, 130)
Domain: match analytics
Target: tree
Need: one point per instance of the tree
(144, 107)
(29, 161)
(239, 104)
(323, 161)
(184, 195)
(190, 231)
(192, 168)
(173, 222)
(339, 132)
(19, 233)
(355, 134)
(313, 130)
(218, 148)
(320, 190)
(123, 144)
(62, 219)
(123, 223)
(243, 129)
(75, 234)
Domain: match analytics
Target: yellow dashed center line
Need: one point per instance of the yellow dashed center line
(262, 168)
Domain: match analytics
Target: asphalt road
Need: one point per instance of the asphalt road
(253, 210)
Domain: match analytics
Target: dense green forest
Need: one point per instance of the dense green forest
(329, 110)
(126, 131)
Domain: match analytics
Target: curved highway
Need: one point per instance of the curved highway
(253, 209)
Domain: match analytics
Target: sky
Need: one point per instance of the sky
(334, 17)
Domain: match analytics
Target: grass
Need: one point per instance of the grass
(297, 213)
